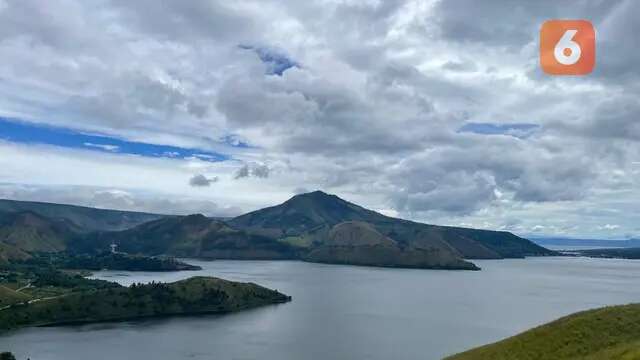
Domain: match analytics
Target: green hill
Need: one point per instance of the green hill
(83, 218)
(196, 295)
(22, 233)
(359, 243)
(306, 219)
(187, 236)
(600, 334)
(9, 296)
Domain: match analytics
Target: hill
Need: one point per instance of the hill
(306, 219)
(583, 243)
(359, 243)
(84, 218)
(9, 296)
(187, 236)
(620, 253)
(606, 333)
(196, 295)
(25, 232)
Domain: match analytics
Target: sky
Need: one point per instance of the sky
(434, 111)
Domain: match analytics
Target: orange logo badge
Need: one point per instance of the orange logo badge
(567, 47)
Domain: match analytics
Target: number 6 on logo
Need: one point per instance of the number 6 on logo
(567, 47)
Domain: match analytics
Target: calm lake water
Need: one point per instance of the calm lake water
(348, 312)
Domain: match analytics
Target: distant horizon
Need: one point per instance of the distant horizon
(526, 236)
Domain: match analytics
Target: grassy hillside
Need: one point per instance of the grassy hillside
(85, 218)
(30, 232)
(10, 296)
(192, 296)
(359, 243)
(187, 236)
(23, 233)
(600, 334)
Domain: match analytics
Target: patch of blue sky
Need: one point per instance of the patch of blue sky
(14, 130)
(276, 61)
(519, 130)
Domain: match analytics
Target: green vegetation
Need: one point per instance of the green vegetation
(187, 236)
(109, 261)
(21, 282)
(606, 333)
(359, 243)
(192, 296)
(9, 296)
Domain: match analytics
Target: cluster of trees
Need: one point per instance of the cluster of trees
(53, 277)
(109, 261)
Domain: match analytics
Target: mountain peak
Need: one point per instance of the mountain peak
(315, 194)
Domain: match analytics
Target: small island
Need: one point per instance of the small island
(196, 295)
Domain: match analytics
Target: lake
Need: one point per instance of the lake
(348, 312)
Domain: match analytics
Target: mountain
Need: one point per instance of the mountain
(583, 243)
(186, 236)
(84, 218)
(606, 333)
(306, 219)
(303, 213)
(607, 253)
(359, 243)
(24, 232)
(314, 226)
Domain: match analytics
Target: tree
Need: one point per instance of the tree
(7, 356)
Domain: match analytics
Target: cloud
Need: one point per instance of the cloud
(105, 147)
(466, 66)
(433, 111)
(202, 181)
(252, 170)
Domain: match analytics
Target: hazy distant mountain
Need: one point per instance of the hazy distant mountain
(596, 243)
(85, 218)
(305, 220)
(187, 236)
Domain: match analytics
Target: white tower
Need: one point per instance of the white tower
(113, 248)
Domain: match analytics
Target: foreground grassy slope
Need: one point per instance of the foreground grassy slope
(192, 296)
(606, 333)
